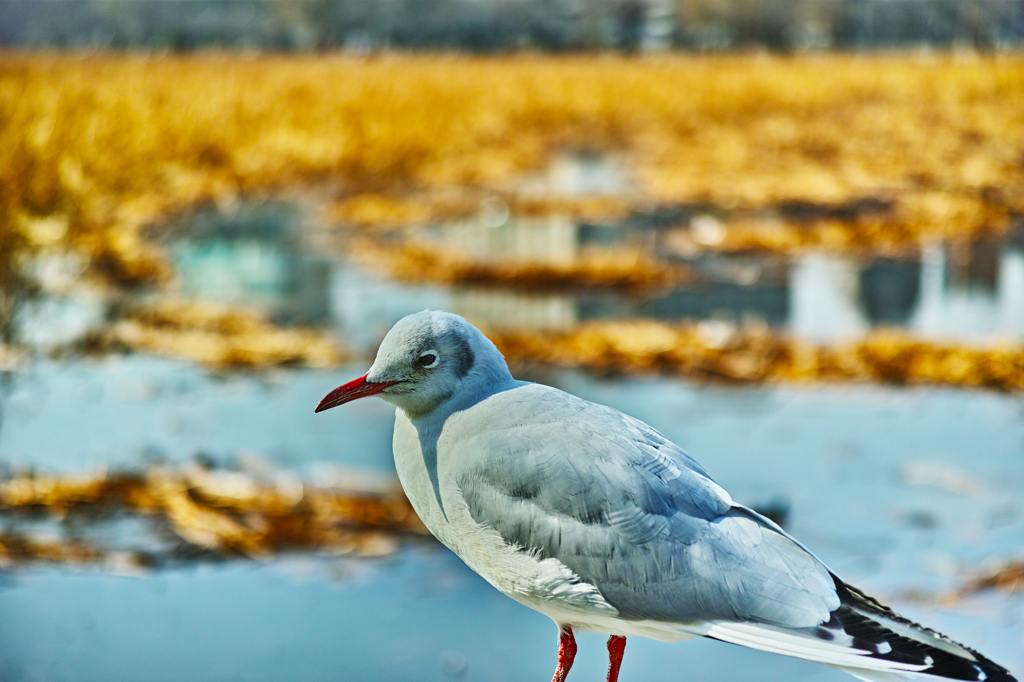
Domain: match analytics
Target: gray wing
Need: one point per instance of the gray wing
(632, 514)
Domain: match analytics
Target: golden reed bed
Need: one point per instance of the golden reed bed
(717, 351)
(92, 147)
(216, 336)
(225, 512)
(225, 339)
(625, 269)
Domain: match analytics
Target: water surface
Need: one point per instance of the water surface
(904, 492)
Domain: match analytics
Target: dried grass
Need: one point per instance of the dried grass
(216, 336)
(1007, 577)
(225, 512)
(711, 350)
(599, 269)
(374, 210)
(93, 147)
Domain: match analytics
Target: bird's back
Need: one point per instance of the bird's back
(627, 511)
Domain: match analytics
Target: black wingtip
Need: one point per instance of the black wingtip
(855, 617)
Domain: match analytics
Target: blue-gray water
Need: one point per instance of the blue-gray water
(422, 616)
(899, 490)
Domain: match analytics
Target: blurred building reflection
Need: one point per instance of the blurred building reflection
(972, 291)
(823, 292)
(494, 237)
(889, 289)
(365, 305)
(502, 309)
(252, 257)
(257, 257)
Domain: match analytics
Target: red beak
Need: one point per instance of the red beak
(353, 390)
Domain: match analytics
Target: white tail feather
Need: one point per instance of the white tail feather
(882, 676)
(854, 661)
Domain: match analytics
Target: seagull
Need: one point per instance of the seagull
(598, 521)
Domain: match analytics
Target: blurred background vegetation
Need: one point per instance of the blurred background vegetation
(505, 25)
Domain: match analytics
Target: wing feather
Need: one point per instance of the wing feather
(632, 514)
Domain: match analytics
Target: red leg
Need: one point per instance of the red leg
(566, 653)
(616, 647)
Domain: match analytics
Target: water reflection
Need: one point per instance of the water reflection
(971, 291)
(253, 256)
(919, 507)
(552, 240)
(578, 173)
(364, 305)
(261, 256)
(823, 296)
(410, 619)
(511, 310)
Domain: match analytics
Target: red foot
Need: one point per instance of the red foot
(566, 653)
(616, 648)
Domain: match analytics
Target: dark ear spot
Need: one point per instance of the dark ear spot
(464, 357)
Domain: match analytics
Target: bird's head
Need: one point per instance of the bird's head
(426, 359)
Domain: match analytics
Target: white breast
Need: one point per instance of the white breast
(546, 585)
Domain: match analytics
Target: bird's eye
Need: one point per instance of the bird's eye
(427, 359)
